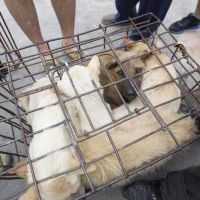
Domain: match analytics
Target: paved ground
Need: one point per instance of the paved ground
(89, 14)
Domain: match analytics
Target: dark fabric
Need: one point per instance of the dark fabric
(182, 185)
(137, 192)
(127, 8)
(142, 190)
(158, 8)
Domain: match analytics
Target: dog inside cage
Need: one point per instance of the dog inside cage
(75, 128)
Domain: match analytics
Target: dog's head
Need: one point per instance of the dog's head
(112, 71)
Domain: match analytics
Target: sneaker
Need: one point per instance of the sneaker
(111, 19)
(135, 35)
(143, 190)
(189, 22)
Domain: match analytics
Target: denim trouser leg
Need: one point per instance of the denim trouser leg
(183, 185)
(126, 9)
(158, 8)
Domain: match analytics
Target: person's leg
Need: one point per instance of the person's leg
(197, 11)
(65, 11)
(182, 185)
(25, 15)
(158, 8)
(125, 9)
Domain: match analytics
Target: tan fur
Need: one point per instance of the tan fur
(153, 146)
(110, 66)
(30, 194)
(133, 156)
(149, 148)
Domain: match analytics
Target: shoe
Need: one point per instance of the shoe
(135, 36)
(74, 55)
(111, 19)
(50, 63)
(189, 22)
(71, 52)
(143, 190)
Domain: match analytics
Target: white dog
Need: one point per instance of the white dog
(98, 149)
(49, 142)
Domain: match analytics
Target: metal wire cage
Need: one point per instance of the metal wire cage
(26, 65)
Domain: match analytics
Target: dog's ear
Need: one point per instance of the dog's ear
(94, 65)
(111, 65)
(24, 102)
(94, 62)
(138, 70)
(129, 43)
(94, 68)
(145, 55)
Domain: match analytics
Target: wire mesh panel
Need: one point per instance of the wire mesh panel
(75, 128)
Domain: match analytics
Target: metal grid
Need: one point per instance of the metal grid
(24, 70)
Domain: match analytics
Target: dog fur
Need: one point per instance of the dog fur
(46, 142)
(110, 66)
(148, 148)
(151, 147)
(52, 139)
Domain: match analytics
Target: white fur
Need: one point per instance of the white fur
(154, 76)
(96, 110)
(55, 138)
(151, 147)
(47, 141)
(143, 151)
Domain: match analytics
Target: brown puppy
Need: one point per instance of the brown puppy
(111, 71)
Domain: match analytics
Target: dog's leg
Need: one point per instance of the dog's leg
(20, 169)
(30, 194)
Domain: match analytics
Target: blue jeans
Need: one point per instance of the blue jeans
(127, 8)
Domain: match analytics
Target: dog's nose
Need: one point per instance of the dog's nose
(130, 95)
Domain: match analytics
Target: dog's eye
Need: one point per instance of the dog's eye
(120, 72)
(138, 70)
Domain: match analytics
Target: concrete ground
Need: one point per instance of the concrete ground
(88, 16)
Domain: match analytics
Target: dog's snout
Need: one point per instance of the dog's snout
(130, 94)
